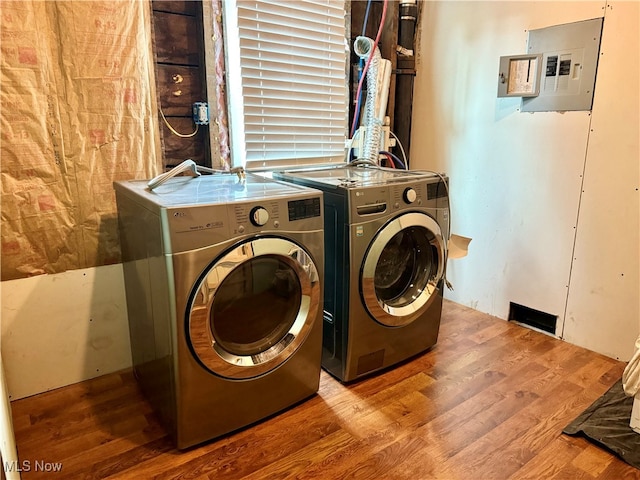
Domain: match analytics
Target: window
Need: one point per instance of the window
(286, 81)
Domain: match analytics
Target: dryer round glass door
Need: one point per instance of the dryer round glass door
(253, 307)
(402, 268)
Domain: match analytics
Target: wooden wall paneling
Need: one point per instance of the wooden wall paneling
(179, 87)
(402, 111)
(219, 154)
(181, 73)
(202, 51)
(176, 39)
(178, 149)
(173, 6)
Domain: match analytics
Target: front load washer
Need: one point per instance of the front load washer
(223, 280)
(385, 257)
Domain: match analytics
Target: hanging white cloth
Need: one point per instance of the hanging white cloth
(631, 374)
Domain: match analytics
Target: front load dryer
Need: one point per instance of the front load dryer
(385, 256)
(223, 280)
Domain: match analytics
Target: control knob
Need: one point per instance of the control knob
(409, 195)
(259, 216)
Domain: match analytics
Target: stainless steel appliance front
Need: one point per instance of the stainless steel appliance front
(385, 257)
(224, 294)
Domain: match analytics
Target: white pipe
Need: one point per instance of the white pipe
(384, 80)
(8, 450)
(364, 48)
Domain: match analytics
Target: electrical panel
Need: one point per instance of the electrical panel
(519, 76)
(568, 67)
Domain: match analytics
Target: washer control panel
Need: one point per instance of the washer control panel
(409, 195)
(372, 201)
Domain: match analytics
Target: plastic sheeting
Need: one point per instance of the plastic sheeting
(78, 112)
(606, 423)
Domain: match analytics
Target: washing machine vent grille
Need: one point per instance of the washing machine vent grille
(369, 362)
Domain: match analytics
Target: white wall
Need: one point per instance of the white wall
(517, 178)
(64, 328)
(604, 293)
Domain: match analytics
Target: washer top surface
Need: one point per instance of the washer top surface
(360, 176)
(211, 190)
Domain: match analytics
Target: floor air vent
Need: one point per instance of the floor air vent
(534, 318)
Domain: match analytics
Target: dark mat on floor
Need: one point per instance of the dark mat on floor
(606, 423)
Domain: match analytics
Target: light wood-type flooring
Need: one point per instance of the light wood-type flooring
(489, 401)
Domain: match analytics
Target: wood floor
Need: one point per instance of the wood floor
(488, 402)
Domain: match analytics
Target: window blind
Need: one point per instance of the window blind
(286, 81)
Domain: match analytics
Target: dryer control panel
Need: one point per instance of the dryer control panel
(201, 226)
(301, 209)
(277, 214)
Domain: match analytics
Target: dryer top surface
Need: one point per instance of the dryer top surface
(361, 176)
(210, 190)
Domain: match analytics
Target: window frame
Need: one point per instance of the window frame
(333, 113)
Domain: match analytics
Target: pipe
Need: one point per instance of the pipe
(384, 79)
(407, 24)
(375, 103)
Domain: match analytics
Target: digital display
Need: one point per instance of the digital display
(307, 208)
(436, 190)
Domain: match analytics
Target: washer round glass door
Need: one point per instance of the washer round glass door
(253, 307)
(402, 268)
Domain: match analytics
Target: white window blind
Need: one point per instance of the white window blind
(286, 81)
